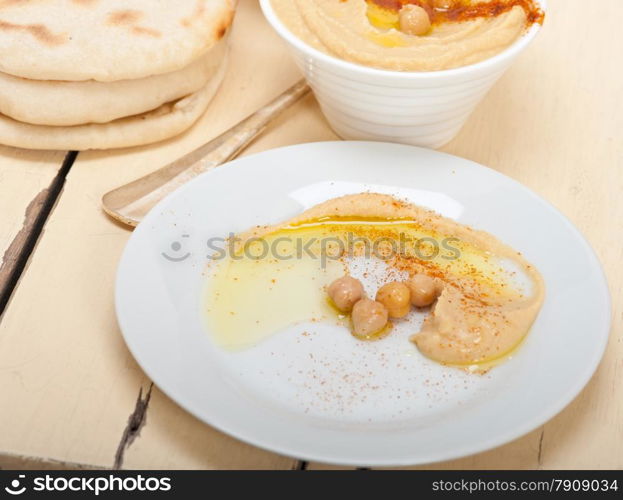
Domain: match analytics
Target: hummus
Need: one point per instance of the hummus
(490, 295)
(369, 32)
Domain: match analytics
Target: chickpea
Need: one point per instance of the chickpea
(369, 317)
(414, 20)
(396, 297)
(424, 290)
(345, 292)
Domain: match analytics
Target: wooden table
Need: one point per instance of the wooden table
(71, 394)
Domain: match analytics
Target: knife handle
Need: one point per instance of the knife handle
(130, 203)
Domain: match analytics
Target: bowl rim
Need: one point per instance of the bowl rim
(507, 54)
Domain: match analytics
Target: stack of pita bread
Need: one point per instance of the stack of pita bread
(99, 74)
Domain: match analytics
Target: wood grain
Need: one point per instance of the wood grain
(27, 181)
(67, 382)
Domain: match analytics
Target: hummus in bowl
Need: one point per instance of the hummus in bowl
(410, 35)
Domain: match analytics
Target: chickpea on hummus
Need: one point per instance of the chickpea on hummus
(410, 35)
(484, 296)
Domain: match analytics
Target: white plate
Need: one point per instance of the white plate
(328, 407)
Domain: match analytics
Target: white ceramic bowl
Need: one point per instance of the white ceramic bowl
(420, 108)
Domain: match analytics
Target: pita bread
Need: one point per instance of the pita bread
(44, 102)
(163, 123)
(107, 40)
